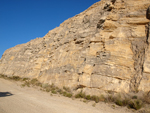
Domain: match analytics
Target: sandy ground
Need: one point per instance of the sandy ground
(15, 99)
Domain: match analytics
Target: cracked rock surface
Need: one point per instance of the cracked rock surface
(104, 48)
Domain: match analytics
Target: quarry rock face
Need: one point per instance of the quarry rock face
(105, 48)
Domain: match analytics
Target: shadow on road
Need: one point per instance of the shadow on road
(4, 94)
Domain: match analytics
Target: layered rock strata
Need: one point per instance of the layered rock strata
(105, 48)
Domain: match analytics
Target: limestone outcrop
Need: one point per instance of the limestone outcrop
(105, 48)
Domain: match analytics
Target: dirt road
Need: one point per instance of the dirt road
(15, 99)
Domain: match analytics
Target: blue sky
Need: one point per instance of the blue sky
(24, 20)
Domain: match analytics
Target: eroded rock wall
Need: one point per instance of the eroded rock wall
(104, 48)
(145, 81)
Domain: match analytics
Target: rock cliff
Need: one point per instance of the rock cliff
(105, 48)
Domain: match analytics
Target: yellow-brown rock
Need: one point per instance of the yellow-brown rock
(104, 48)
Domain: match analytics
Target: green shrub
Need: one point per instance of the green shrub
(67, 89)
(95, 98)
(85, 101)
(119, 102)
(110, 98)
(60, 91)
(135, 104)
(23, 85)
(64, 93)
(94, 104)
(80, 95)
(69, 95)
(56, 88)
(88, 97)
(26, 83)
(52, 86)
(54, 92)
(113, 106)
(16, 78)
(25, 79)
(35, 82)
(47, 89)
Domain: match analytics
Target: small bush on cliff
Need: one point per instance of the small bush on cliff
(135, 104)
(54, 92)
(2, 76)
(26, 83)
(60, 91)
(16, 78)
(95, 98)
(67, 94)
(46, 87)
(35, 82)
(119, 102)
(80, 95)
(25, 79)
(67, 89)
(87, 97)
(109, 98)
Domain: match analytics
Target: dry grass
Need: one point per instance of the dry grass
(132, 102)
(87, 97)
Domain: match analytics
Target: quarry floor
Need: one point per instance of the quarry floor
(17, 99)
